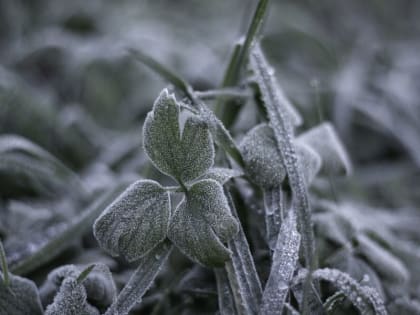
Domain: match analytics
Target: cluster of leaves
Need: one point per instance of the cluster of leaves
(236, 199)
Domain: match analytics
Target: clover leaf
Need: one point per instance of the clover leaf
(263, 161)
(184, 157)
(135, 222)
(202, 222)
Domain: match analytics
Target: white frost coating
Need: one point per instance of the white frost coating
(71, 299)
(282, 125)
(221, 174)
(309, 160)
(184, 157)
(325, 141)
(386, 264)
(141, 280)
(243, 276)
(135, 222)
(99, 285)
(285, 258)
(20, 297)
(364, 298)
(202, 222)
(274, 214)
(263, 161)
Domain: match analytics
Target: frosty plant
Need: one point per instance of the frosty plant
(141, 221)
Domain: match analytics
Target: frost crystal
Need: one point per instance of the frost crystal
(202, 222)
(183, 157)
(135, 222)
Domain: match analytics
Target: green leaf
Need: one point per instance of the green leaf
(135, 222)
(221, 174)
(71, 299)
(202, 222)
(20, 297)
(184, 158)
(309, 160)
(263, 161)
(97, 281)
(325, 141)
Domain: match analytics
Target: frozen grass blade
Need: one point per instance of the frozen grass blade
(285, 259)
(224, 293)
(73, 231)
(243, 276)
(282, 126)
(364, 298)
(274, 214)
(141, 280)
(228, 111)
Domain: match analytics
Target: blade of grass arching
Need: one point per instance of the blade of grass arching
(243, 277)
(67, 236)
(220, 134)
(224, 293)
(285, 258)
(163, 71)
(227, 111)
(141, 280)
(282, 126)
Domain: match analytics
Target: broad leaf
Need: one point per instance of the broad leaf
(202, 222)
(183, 157)
(325, 141)
(135, 222)
(263, 161)
(20, 297)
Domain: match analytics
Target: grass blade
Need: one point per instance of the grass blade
(285, 259)
(68, 235)
(243, 276)
(141, 280)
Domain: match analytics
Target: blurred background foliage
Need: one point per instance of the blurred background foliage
(68, 84)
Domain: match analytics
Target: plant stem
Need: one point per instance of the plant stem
(6, 279)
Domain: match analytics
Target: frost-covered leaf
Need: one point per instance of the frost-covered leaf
(71, 299)
(242, 274)
(309, 160)
(325, 141)
(141, 280)
(20, 297)
(280, 121)
(364, 298)
(285, 257)
(263, 161)
(99, 284)
(183, 157)
(404, 305)
(221, 174)
(202, 222)
(334, 227)
(135, 222)
(388, 266)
